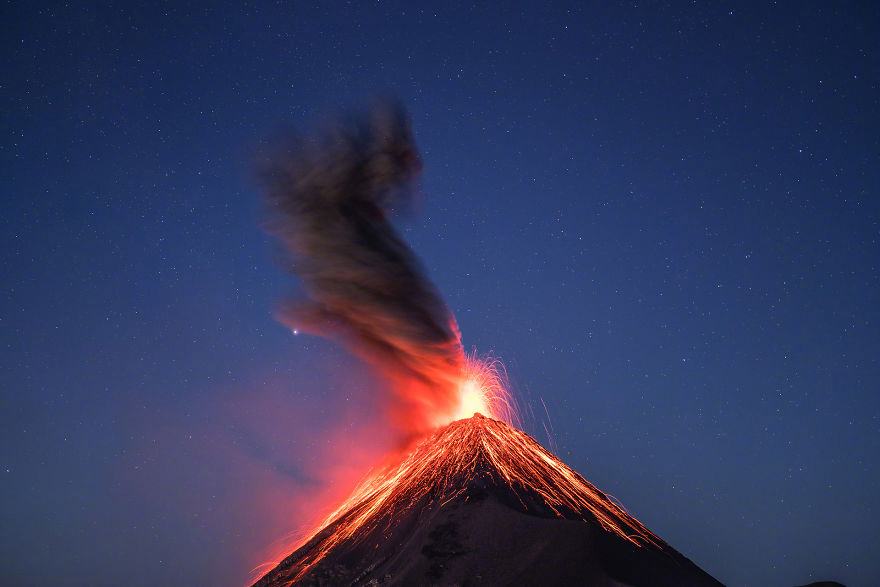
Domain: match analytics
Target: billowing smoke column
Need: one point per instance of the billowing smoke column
(330, 201)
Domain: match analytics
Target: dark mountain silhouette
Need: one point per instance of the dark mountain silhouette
(481, 503)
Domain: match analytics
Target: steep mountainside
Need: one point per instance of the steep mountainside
(480, 502)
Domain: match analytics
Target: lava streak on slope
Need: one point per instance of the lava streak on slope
(445, 466)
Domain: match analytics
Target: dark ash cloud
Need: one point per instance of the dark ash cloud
(330, 200)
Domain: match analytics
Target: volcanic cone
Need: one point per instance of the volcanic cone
(481, 503)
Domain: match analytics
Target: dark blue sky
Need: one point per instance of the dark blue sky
(663, 218)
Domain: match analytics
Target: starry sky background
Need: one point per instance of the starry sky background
(662, 217)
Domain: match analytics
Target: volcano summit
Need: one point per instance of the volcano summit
(480, 502)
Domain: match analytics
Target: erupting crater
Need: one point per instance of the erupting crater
(481, 502)
(474, 500)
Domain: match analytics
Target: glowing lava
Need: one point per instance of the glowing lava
(473, 401)
(482, 390)
(445, 466)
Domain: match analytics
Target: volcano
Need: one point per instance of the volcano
(480, 502)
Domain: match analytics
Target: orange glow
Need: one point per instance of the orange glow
(481, 390)
(472, 401)
(439, 468)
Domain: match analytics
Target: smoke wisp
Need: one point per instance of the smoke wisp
(330, 199)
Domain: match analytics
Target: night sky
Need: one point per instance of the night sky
(664, 219)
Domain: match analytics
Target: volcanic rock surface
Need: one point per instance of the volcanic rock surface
(481, 503)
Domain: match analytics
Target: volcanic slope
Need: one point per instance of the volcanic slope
(481, 503)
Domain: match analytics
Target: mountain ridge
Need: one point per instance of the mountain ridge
(480, 502)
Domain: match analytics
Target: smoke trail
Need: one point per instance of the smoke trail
(330, 201)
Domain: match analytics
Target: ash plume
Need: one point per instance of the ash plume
(329, 200)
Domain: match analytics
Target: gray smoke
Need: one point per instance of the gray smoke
(329, 201)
